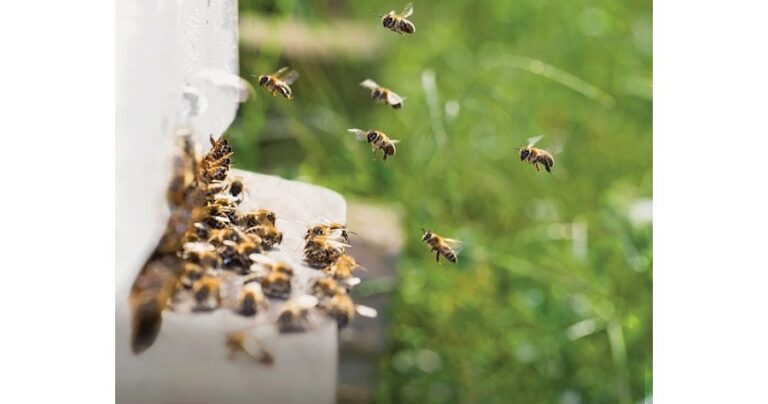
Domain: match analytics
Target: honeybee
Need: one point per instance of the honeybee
(330, 229)
(269, 235)
(216, 163)
(279, 82)
(274, 276)
(202, 253)
(383, 95)
(207, 293)
(150, 294)
(190, 273)
(398, 22)
(537, 156)
(343, 309)
(378, 141)
(343, 267)
(321, 251)
(250, 300)
(271, 265)
(255, 218)
(294, 317)
(236, 188)
(441, 246)
(239, 342)
(184, 170)
(326, 288)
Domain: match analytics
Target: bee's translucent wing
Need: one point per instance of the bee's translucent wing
(359, 134)
(407, 11)
(290, 77)
(305, 301)
(533, 140)
(337, 244)
(455, 244)
(198, 247)
(393, 98)
(369, 84)
(261, 259)
(394, 141)
(282, 71)
(366, 311)
(353, 281)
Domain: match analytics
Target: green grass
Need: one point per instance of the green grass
(523, 317)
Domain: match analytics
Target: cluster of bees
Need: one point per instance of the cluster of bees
(213, 256)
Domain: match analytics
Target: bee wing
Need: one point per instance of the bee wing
(455, 244)
(395, 141)
(366, 311)
(282, 71)
(407, 11)
(261, 259)
(359, 134)
(305, 301)
(350, 282)
(369, 84)
(198, 246)
(533, 140)
(393, 98)
(290, 77)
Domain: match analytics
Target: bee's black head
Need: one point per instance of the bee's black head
(524, 153)
(427, 235)
(371, 136)
(263, 80)
(387, 20)
(271, 217)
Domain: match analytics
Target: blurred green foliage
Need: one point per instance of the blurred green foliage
(528, 314)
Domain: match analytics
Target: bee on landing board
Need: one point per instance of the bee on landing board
(239, 342)
(378, 141)
(398, 22)
(251, 300)
(294, 317)
(383, 95)
(537, 156)
(279, 82)
(207, 293)
(441, 246)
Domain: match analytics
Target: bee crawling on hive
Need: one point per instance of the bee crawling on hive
(382, 94)
(336, 231)
(334, 300)
(295, 314)
(342, 269)
(279, 82)
(207, 293)
(378, 141)
(398, 22)
(321, 251)
(537, 156)
(255, 218)
(216, 163)
(441, 246)
(251, 300)
(273, 276)
(202, 253)
(241, 342)
(269, 234)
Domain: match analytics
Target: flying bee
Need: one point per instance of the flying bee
(250, 300)
(343, 309)
(255, 218)
(321, 251)
(441, 246)
(378, 141)
(207, 293)
(383, 95)
(398, 22)
(537, 156)
(294, 317)
(239, 342)
(279, 82)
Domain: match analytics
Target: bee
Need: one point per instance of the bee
(255, 218)
(343, 267)
(279, 82)
(383, 95)
(398, 22)
(441, 246)
(273, 276)
(378, 141)
(150, 294)
(185, 164)
(269, 235)
(321, 251)
(330, 229)
(537, 156)
(250, 300)
(343, 309)
(325, 288)
(239, 342)
(207, 293)
(216, 163)
(202, 253)
(294, 317)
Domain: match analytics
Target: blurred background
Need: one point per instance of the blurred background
(551, 298)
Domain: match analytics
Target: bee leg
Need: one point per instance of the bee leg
(437, 256)
(537, 166)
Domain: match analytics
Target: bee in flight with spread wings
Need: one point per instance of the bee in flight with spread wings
(398, 22)
(537, 156)
(382, 94)
(378, 141)
(441, 246)
(280, 82)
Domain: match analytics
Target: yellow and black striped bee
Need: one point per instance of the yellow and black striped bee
(382, 94)
(441, 246)
(279, 82)
(378, 141)
(537, 156)
(398, 22)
